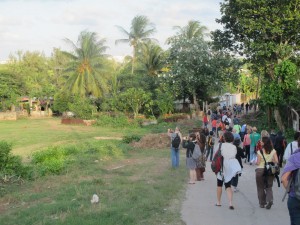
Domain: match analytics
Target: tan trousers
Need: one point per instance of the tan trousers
(264, 194)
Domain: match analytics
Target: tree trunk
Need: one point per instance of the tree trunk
(257, 87)
(278, 119)
(270, 117)
(195, 102)
(133, 59)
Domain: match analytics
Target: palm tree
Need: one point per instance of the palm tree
(152, 58)
(86, 65)
(193, 29)
(140, 30)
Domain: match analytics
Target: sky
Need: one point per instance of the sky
(41, 25)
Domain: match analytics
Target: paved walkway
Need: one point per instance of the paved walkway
(199, 206)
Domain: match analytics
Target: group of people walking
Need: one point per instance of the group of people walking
(237, 142)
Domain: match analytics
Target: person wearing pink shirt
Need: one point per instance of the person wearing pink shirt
(205, 120)
(246, 144)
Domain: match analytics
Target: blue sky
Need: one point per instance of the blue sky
(41, 25)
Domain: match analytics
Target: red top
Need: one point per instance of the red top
(214, 123)
(205, 119)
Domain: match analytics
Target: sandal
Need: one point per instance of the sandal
(217, 205)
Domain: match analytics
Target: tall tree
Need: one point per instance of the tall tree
(266, 32)
(33, 71)
(141, 29)
(193, 29)
(86, 65)
(195, 67)
(151, 59)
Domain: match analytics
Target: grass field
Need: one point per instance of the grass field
(139, 187)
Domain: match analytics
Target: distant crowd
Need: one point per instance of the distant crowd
(224, 138)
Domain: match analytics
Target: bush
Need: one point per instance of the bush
(117, 121)
(130, 138)
(10, 165)
(50, 161)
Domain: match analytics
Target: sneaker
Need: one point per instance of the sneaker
(269, 205)
(235, 189)
(262, 206)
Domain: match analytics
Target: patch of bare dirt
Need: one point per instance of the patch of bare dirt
(156, 141)
(108, 138)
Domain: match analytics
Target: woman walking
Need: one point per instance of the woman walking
(230, 168)
(246, 144)
(201, 162)
(264, 183)
(190, 162)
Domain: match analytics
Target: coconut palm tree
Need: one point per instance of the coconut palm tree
(86, 65)
(152, 58)
(193, 29)
(140, 30)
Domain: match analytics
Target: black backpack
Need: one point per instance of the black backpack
(226, 122)
(176, 142)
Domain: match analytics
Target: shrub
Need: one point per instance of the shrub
(117, 121)
(130, 138)
(49, 161)
(10, 165)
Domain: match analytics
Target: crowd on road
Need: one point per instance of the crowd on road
(223, 138)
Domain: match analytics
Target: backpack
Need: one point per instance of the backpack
(176, 142)
(226, 122)
(216, 163)
(196, 153)
(296, 183)
(210, 141)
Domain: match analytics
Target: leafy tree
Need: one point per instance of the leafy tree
(141, 29)
(9, 92)
(266, 32)
(82, 107)
(86, 65)
(33, 71)
(135, 99)
(58, 63)
(164, 101)
(195, 68)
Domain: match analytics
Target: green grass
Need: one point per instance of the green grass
(29, 135)
(137, 187)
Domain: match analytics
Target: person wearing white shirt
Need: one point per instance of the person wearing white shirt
(291, 147)
(231, 168)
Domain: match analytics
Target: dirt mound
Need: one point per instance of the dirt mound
(157, 141)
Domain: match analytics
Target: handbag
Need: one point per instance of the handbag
(271, 169)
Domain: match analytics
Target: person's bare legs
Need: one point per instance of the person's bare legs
(229, 195)
(219, 194)
(192, 176)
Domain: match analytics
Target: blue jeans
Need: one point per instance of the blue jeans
(174, 157)
(252, 153)
(210, 151)
(294, 210)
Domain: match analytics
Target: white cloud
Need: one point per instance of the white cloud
(43, 24)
